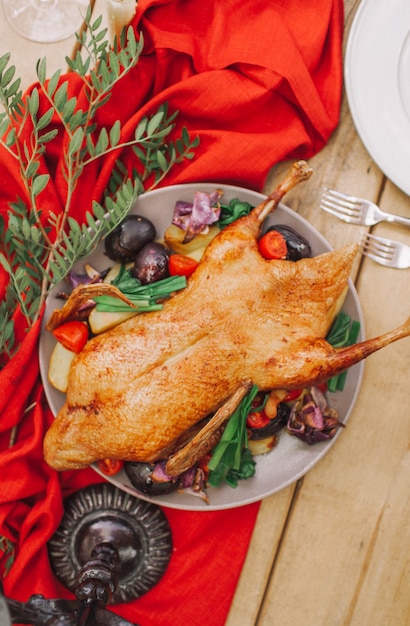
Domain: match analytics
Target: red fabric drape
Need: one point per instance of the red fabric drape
(259, 82)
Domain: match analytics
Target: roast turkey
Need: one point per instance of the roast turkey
(135, 390)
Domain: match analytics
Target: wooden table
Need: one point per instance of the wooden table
(332, 549)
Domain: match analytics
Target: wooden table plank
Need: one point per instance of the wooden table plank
(343, 558)
(271, 525)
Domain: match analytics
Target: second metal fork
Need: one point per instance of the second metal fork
(385, 251)
(357, 210)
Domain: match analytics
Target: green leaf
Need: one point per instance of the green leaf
(45, 119)
(4, 59)
(162, 162)
(78, 119)
(95, 81)
(32, 169)
(53, 82)
(114, 65)
(11, 138)
(179, 146)
(48, 136)
(141, 128)
(135, 50)
(8, 76)
(115, 133)
(60, 96)
(35, 235)
(343, 332)
(102, 143)
(96, 24)
(76, 141)
(5, 264)
(33, 103)
(41, 70)
(185, 136)
(40, 182)
(90, 145)
(25, 228)
(4, 124)
(105, 75)
(13, 89)
(68, 109)
(154, 123)
(74, 225)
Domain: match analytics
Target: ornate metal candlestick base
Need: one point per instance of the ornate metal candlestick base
(102, 514)
(110, 548)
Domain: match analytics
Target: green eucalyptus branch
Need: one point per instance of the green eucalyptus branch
(35, 251)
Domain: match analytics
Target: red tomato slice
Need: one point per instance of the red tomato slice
(110, 467)
(181, 265)
(258, 419)
(72, 335)
(273, 245)
(292, 395)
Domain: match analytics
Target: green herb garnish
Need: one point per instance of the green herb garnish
(343, 332)
(232, 212)
(229, 461)
(143, 297)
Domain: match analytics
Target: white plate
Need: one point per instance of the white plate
(377, 78)
(291, 458)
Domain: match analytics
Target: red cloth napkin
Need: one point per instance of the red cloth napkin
(259, 82)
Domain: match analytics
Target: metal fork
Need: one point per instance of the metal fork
(357, 210)
(385, 251)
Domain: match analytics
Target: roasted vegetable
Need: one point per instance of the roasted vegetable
(271, 426)
(72, 335)
(125, 241)
(297, 246)
(151, 263)
(311, 419)
(181, 265)
(273, 245)
(110, 467)
(59, 367)
(195, 217)
(174, 239)
(150, 479)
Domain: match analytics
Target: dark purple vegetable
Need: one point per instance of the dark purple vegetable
(298, 247)
(151, 263)
(313, 420)
(194, 216)
(141, 477)
(128, 238)
(274, 426)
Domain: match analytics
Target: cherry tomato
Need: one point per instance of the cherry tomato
(257, 419)
(292, 395)
(110, 467)
(273, 245)
(72, 335)
(181, 265)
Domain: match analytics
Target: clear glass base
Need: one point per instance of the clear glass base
(45, 21)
